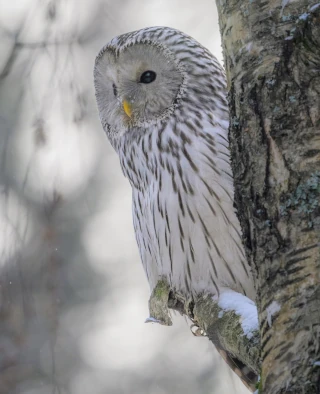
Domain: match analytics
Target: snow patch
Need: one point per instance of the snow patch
(152, 320)
(304, 16)
(272, 309)
(249, 46)
(230, 300)
(314, 7)
(316, 363)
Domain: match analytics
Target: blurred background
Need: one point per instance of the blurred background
(73, 295)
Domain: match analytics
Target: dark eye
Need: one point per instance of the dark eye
(115, 91)
(148, 77)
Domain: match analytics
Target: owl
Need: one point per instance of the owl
(162, 102)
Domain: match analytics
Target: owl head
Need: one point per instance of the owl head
(137, 80)
(141, 77)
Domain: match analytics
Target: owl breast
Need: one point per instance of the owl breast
(185, 223)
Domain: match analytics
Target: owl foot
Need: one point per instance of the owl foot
(158, 304)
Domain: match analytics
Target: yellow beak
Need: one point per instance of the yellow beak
(127, 108)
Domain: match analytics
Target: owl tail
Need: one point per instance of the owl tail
(247, 376)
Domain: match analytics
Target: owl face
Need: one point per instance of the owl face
(136, 85)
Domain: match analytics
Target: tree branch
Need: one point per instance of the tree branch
(224, 327)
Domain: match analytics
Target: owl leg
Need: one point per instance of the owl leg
(158, 304)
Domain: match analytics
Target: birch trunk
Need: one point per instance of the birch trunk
(272, 60)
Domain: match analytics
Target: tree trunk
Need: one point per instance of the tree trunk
(272, 60)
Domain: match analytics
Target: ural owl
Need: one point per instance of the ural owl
(162, 103)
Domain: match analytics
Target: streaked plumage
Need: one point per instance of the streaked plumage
(171, 136)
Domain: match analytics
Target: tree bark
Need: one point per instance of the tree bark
(272, 60)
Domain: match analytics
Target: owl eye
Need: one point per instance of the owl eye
(148, 77)
(115, 90)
